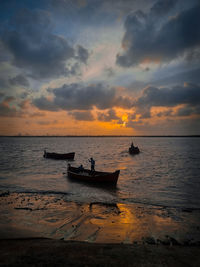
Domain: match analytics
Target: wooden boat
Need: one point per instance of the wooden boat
(69, 156)
(134, 150)
(93, 176)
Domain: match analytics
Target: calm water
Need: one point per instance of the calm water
(165, 173)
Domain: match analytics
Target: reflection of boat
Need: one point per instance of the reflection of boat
(93, 176)
(69, 156)
(134, 150)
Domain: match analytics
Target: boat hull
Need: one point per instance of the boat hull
(134, 150)
(68, 156)
(93, 176)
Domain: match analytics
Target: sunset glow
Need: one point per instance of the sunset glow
(99, 68)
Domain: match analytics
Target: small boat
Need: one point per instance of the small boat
(69, 156)
(133, 150)
(93, 176)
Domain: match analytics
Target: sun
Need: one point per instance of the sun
(124, 119)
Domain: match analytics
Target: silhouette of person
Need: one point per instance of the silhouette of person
(92, 164)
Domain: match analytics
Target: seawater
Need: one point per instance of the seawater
(165, 173)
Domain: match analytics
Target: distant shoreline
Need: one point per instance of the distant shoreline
(87, 136)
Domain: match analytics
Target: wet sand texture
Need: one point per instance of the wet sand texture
(33, 215)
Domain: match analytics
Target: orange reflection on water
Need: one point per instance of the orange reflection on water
(118, 223)
(31, 215)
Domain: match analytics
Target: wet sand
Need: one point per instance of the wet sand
(48, 229)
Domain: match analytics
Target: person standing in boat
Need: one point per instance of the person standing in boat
(132, 146)
(92, 161)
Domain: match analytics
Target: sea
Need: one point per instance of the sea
(166, 173)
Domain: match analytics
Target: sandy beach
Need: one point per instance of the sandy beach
(46, 252)
(47, 229)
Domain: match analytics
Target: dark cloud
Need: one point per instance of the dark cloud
(4, 84)
(81, 97)
(107, 116)
(145, 113)
(44, 104)
(192, 76)
(187, 111)
(82, 115)
(162, 7)
(19, 80)
(4, 53)
(82, 54)
(24, 95)
(186, 126)
(189, 95)
(156, 37)
(76, 96)
(36, 49)
(169, 97)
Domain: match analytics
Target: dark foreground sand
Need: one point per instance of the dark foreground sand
(48, 252)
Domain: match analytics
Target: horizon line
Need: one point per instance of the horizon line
(194, 135)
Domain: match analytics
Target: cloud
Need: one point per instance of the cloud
(107, 116)
(82, 115)
(165, 113)
(189, 95)
(44, 104)
(24, 104)
(192, 76)
(82, 54)
(187, 111)
(4, 53)
(82, 97)
(4, 84)
(169, 97)
(109, 72)
(36, 49)
(46, 123)
(162, 7)
(155, 36)
(9, 111)
(19, 80)
(76, 96)
(36, 114)
(2, 94)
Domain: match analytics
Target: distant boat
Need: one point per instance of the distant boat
(93, 176)
(69, 156)
(133, 149)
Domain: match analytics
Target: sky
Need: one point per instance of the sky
(99, 67)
